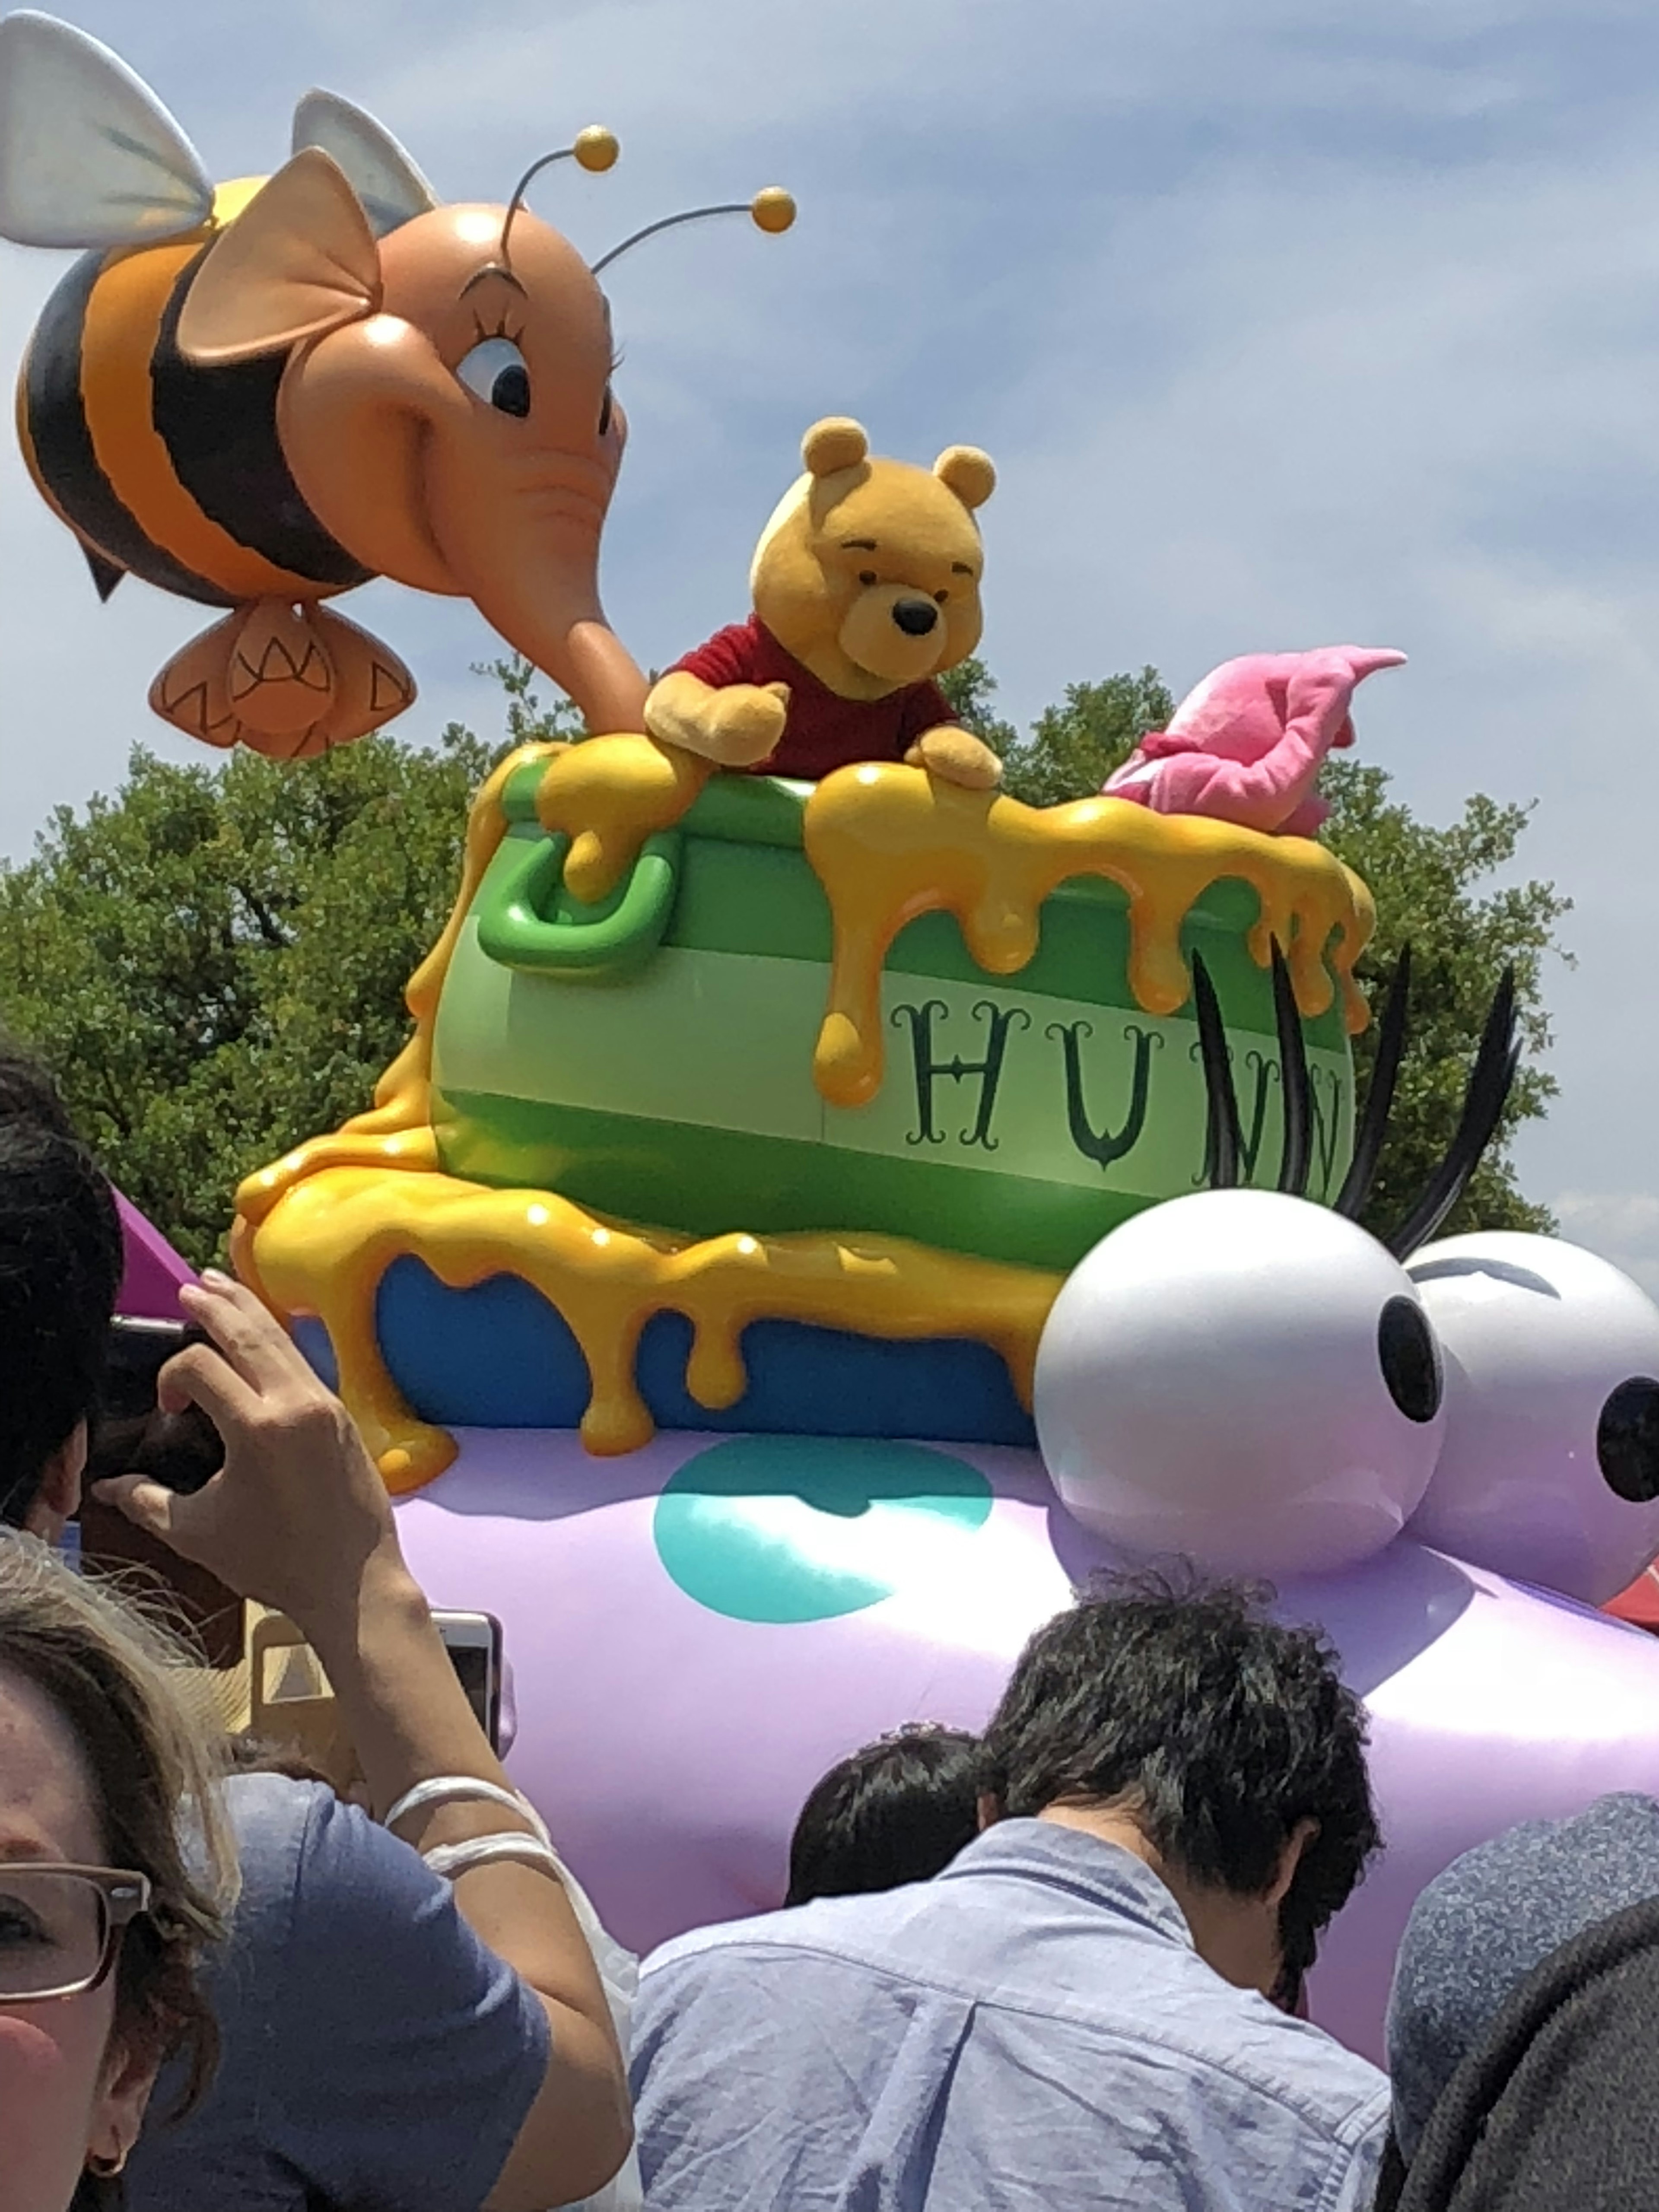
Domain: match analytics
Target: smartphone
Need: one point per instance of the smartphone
(473, 1641)
(181, 1451)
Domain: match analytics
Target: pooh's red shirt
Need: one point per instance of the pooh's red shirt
(823, 731)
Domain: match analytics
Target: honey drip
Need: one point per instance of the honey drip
(889, 843)
(608, 796)
(325, 1248)
(317, 1230)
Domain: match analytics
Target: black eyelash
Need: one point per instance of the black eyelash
(501, 330)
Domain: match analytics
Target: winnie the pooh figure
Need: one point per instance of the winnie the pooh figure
(866, 588)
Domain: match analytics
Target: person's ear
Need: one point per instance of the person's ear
(1289, 1859)
(988, 1809)
(117, 2114)
(57, 1497)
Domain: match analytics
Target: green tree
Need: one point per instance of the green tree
(213, 960)
(1434, 888)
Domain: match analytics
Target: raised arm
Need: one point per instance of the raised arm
(299, 1520)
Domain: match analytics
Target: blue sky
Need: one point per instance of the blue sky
(1285, 323)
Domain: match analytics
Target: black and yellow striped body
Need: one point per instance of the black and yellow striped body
(163, 470)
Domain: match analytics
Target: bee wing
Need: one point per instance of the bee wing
(88, 156)
(390, 186)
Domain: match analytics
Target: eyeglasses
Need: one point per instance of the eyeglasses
(60, 1926)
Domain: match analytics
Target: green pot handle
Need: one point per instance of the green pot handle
(528, 920)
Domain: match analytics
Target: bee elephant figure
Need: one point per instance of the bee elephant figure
(261, 395)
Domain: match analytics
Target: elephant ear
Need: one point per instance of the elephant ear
(88, 156)
(391, 189)
(299, 261)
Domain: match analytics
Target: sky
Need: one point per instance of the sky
(1286, 324)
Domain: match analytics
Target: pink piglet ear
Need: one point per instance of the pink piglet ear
(1366, 660)
(299, 261)
(1316, 700)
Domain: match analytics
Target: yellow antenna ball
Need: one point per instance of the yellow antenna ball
(596, 149)
(773, 210)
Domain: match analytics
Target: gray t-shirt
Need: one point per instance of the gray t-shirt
(1479, 1929)
(374, 2053)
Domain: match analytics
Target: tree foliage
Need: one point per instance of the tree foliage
(213, 959)
(1438, 889)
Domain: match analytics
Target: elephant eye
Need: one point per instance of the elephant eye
(604, 411)
(494, 372)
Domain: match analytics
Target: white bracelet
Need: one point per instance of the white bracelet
(463, 1790)
(453, 1859)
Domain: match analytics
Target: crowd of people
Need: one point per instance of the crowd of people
(1062, 1963)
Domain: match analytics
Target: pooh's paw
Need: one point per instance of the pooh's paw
(735, 726)
(742, 723)
(957, 756)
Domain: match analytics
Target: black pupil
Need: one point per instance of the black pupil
(605, 413)
(1411, 1363)
(1627, 1440)
(511, 390)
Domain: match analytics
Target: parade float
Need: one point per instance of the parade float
(828, 1211)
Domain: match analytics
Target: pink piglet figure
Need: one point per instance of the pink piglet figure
(1245, 745)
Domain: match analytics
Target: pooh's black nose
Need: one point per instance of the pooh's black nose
(915, 617)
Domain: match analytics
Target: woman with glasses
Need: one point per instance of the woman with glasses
(102, 1920)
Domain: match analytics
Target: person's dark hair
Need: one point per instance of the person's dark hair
(60, 1270)
(1219, 1728)
(897, 1810)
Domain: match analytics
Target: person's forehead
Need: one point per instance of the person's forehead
(46, 1807)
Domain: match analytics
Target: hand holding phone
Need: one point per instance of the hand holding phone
(298, 1515)
(182, 1451)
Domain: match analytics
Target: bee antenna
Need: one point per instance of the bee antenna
(593, 149)
(1223, 1141)
(772, 210)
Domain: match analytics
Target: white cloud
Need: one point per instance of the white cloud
(1623, 1228)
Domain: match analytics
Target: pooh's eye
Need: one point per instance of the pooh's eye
(866, 575)
(605, 413)
(941, 597)
(496, 372)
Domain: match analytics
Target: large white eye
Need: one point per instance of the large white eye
(1550, 1469)
(1244, 1378)
(496, 372)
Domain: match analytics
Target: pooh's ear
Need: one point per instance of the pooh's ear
(836, 443)
(968, 472)
(299, 261)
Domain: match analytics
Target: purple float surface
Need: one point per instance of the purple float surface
(670, 1746)
(153, 1270)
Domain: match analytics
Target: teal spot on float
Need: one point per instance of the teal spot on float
(798, 1529)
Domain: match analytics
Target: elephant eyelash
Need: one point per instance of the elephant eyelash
(501, 330)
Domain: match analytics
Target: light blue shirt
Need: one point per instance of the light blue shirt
(1032, 2029)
